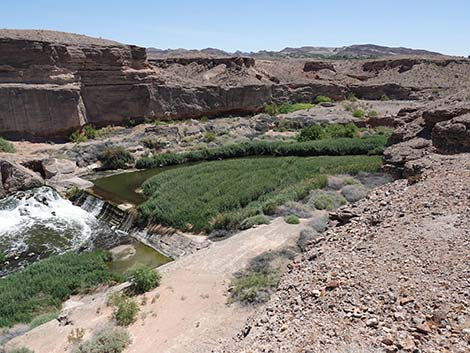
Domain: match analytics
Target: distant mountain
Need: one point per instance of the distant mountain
(352, 51)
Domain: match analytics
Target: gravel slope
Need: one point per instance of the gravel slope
(395, 278)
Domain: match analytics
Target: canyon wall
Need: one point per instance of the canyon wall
(52, 83)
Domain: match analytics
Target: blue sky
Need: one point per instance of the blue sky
(253, 24)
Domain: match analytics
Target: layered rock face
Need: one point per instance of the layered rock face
(52, 83)
(441, 126)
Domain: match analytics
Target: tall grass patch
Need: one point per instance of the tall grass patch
(221, 194)
(43, 286)
(321, 147)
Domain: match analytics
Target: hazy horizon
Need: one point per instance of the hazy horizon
(253, 25)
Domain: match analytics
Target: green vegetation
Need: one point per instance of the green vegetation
(322, 99)
(326, 200)
(221, 194)
(6, 146)
(107, 340)
(330, 131)
(372, 114)
(325, 147)
(143, 278)
(358, 113)
(44, 285)
(254, 221)
(384, 97)
(21, 350)
(87, 132)
(115, 158)
(125, 309)
(276, 109)
(352, 97)
(256, 283)
(292, 219)
(3, 257)
(311, 133)
(151, 142)
(43, 318)
(210, 136)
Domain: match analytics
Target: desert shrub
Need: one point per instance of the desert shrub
(76, 335)
(77, 137)
(296, 208)
(44, 285)
(210, 136)
(151, 142)
(339, 130)
(354, 193)
(43, 318)
(306, 236)
(6, 146)
(107, 340)
(143, 278)
(21, 350)
(319, 222)
(352, 97)
(255, 284)
(125, 310)
(384, 97)
(115, 158)
(326, 147)
(204, 119)
(372, 114)
(254, 221)
(326, 200)
(358, 113)
(90, 132)
(3, 257)
(311, 133)
(322, 99)
(292, 219)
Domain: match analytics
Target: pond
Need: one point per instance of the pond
(124, 187)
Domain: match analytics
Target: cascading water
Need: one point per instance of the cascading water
(39, 223)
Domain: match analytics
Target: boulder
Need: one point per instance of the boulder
(452, 136)
(15, 177)
(53, 167)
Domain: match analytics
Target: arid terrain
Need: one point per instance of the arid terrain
(384, 268)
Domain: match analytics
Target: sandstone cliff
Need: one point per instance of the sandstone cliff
(52, 83)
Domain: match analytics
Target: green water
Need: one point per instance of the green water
(143, 255)
(122, 188)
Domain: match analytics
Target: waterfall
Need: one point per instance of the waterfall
(105, 211)
(38, 223)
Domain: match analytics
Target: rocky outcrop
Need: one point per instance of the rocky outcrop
(318, 65)
(15, 177)
(441, 126)
(452, 136)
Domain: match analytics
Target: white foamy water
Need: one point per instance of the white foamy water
(41, 220)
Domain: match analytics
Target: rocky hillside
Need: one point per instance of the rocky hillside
(390, 275)
(62, 81)
(347, 52)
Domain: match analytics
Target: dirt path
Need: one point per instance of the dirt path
(188, 312)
